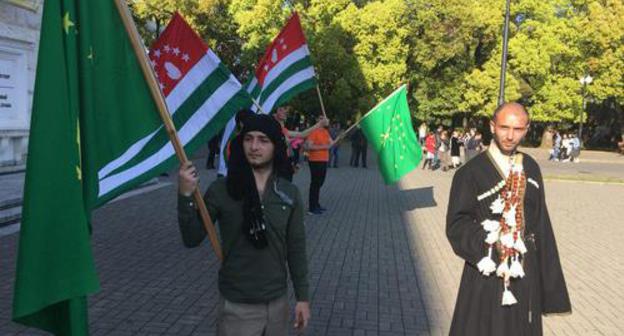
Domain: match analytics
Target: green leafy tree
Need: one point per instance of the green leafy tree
(448, 51)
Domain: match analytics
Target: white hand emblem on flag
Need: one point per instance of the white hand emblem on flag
(172, 71)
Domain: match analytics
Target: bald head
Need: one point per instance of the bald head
(509, 125)
(512, 107)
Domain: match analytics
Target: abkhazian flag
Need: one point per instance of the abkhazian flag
(388, 127)
(201, 94)
(95, 133)
(283, 72)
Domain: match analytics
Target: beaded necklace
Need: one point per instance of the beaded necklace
(505, 234)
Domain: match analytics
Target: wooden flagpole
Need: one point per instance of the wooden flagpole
(257, 105)
(318, 91)
(344, 134)
(137, 45)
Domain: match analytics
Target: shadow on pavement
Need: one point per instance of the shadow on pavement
(418, 198)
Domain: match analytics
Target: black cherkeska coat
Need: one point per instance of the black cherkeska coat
(478, 310)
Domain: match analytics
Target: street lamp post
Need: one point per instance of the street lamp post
(501, 90)
(584, 81)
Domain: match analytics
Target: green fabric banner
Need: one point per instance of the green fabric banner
(95, 134)
(388, 127)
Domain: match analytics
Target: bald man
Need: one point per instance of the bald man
(498, 222)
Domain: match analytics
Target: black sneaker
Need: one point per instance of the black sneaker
(315, 212)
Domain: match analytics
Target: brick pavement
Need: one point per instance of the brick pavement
(379, 261)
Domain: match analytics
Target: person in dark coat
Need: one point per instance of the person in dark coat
(356, 147)
(456, 143)
(498, 222)
(363, 149)
(213, 150)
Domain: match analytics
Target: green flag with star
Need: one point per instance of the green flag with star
(55, 269)
(95, 133)
(388, 127)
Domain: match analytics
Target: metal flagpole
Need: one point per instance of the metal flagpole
(126, 17)
(501, 90)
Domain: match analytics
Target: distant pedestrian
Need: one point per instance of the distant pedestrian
(555, 152)
(444, 151)
(318, 144)
(575, 148)
(430, 149)
(566, 148)
(213, 149)
(456, 143)
(479, 138)
(437, 136)
(364, 150)
(422, 133)
(471, 144)
(359, 146)
(334, 131)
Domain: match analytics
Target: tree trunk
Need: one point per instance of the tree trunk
(619, 112)
(547, 138)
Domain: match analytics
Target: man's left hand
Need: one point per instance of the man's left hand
(302, 315)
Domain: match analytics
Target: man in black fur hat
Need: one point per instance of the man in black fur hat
(260, 217)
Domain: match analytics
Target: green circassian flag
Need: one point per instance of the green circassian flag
(96, 133)
(388, 127)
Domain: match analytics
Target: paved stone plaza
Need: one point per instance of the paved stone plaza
(380, 263)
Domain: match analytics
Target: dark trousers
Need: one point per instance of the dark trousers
(364, 150)
(210, 162)
(354, 153)
(318, 171)
(333, 157)
(358, 152)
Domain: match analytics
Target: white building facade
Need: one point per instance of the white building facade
(20, 24)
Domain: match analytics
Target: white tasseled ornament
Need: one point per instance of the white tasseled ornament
(492, 237)
(498, 205)
(507, 240)
(503, 269)
(508, 298)
(516, 270)
(487, 265)
(490, 225)
(519, 245)
(510, 216)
